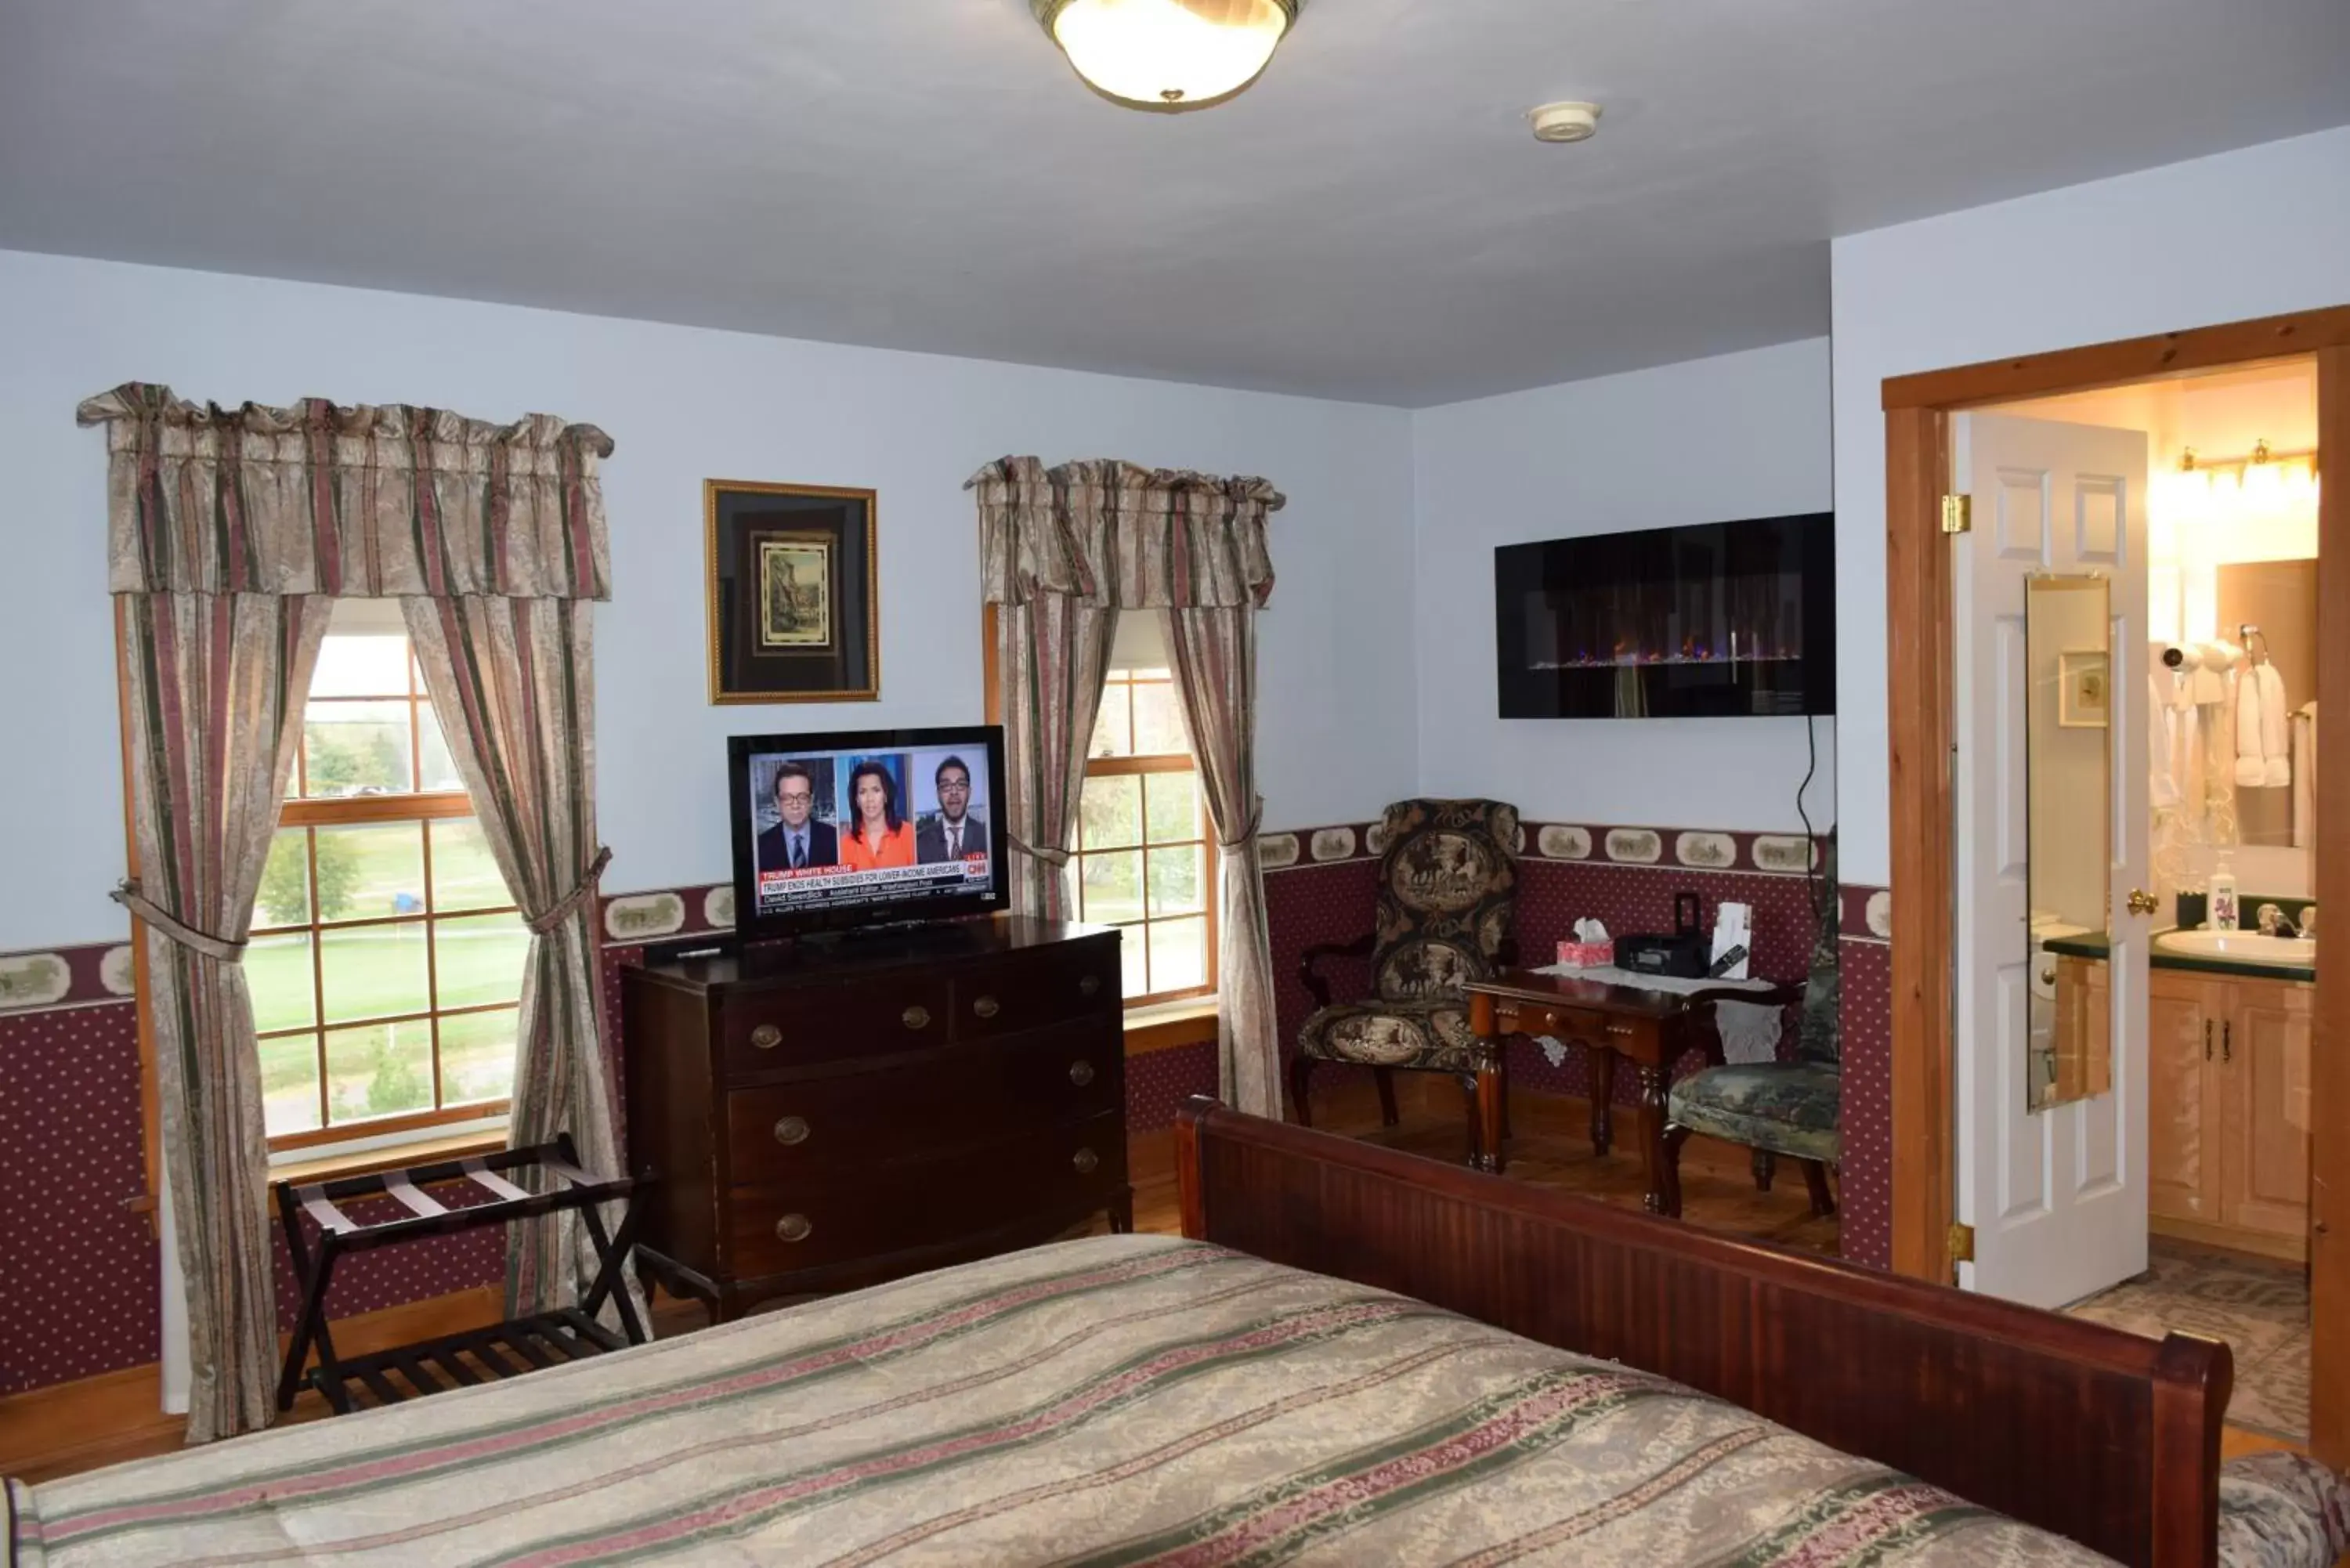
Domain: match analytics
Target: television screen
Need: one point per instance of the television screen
(863, 828)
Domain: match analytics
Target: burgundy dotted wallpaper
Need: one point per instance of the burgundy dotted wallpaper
(79, 1293)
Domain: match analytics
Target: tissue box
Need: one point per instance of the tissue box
(1586, 955)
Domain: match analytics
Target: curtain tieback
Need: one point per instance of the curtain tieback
(541, 925)
(1049, 857)
(1248, 832)
(126, 894)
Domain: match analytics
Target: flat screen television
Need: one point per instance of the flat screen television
(1716, 620)
(866, 828)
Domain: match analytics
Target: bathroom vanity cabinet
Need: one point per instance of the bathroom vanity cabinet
(2227, 1106)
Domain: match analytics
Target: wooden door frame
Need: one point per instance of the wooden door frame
(1918, 633)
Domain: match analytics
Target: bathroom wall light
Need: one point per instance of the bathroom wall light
(1168, 56)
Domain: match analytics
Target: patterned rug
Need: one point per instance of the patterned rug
(2261, 1308)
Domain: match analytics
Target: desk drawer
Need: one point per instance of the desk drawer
(975, 1094)
(766, 1030)
(780, 1227)
(1046, 986)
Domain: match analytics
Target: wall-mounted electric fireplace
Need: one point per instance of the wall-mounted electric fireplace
(1717, 620)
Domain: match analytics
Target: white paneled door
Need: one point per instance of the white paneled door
(2057, 1197)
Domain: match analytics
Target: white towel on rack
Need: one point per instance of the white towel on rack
(2263, 734)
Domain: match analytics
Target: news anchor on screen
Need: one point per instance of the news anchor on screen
(878, 835)
(798, 840)
(954, 832)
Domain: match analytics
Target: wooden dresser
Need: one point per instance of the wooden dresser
(827, 1114)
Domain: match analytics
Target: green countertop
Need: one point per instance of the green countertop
(2099, 949)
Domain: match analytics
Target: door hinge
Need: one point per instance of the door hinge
(1963, 1244)
(1958, 514)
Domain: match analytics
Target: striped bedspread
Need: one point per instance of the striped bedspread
(1122, 1399)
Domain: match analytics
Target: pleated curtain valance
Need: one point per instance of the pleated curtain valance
(359, 502)
(1122, 535)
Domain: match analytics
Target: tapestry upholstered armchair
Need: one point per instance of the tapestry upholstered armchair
(1448, 894)
(1777, 1109)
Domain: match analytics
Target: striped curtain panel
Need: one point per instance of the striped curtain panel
(514, 684)
(1214, 651)
(214, 686)
(1062, 552)
(230, 532)
(1053, 651)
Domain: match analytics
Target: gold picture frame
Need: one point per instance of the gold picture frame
(792, 573)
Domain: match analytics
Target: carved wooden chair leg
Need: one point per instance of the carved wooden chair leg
(1505, 1090)
(1386, 1077)
(1301, 1075)
(1669, 1175)
(1468, 1082)
(1815, 1179)
(1767, 1166)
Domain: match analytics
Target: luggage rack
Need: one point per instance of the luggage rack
(477, 1355)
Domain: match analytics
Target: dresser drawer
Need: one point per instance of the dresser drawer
(979, 1093)
(762, 1031)
(779, 1227)
(1076, 979)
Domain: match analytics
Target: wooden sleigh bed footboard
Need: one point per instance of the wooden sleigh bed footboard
(2105, 1436)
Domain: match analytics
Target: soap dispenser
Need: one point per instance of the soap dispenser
(2224, 914)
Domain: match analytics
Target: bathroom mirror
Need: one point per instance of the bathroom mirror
(2068, 772)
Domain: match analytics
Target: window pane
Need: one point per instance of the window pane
(438, 771)
(356, 748)
(464, 876)
(477, 1057)
(284, 897)
(278, 972)
(1157, 720)
(479, 959)
(1109, 813)
(1136, 978)
(1173, 806)
(383, 1070)
(374, 972)
(370, 665)
(1179, 954)
(1113, 885)
(366, 873)
(1177, 886)
(289, 1083)
(1113, 726)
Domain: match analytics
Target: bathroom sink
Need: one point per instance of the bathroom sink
(2241, 947)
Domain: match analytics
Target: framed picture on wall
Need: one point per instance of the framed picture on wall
(795, 604)
(2083, 694)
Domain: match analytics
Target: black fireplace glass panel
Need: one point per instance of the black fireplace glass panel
(1718, 619)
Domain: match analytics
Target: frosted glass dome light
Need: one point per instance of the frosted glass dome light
(1168, 55)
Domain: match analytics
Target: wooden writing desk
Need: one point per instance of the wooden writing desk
(1651, 1029)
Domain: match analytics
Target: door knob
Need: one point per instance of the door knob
(2142, 902)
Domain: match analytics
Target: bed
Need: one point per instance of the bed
(1352, 1356)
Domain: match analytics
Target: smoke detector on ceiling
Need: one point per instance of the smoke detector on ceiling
(1565, 121)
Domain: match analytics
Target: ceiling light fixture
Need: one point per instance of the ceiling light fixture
(1168, 56)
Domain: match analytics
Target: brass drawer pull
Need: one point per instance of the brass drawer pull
(792, 1130)
(986, 1007)
(1081, 1073)
(793, 1227)
(1619, 1029)
(1089, 986)
(917, 1017)
(1086, 1162)
(766, 1037)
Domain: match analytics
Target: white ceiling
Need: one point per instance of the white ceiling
(1372, 221)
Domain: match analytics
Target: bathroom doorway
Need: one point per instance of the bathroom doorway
(2210, 1182)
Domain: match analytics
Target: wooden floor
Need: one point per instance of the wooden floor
(108, 1420)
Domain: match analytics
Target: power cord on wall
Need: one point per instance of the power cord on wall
(1811, 835)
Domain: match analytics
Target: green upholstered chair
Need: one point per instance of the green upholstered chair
(1778, 1109)
(1448, 894)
